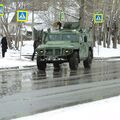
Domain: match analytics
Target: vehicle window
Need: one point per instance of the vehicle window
(81, 39)
(64, 37)
(55, 37)
(70, 37)
(45, 38)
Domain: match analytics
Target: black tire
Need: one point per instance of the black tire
(56, 66)
(41, 65)
(87, 63)
(74, 61)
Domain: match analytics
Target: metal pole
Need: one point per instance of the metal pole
(21, 40)
(32, 25)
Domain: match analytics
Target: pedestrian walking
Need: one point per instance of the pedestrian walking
(4, 46)
(37, 41)
(35, 45)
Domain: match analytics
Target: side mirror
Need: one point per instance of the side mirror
(49, 30)
(85, 38)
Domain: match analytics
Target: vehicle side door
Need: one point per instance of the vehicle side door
(83, 46)
(86, 47)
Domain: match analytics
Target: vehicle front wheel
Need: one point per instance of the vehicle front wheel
(74, 61)
(87, 63)
(41, 65)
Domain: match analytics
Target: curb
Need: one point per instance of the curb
(103, 58)
(34, 66)
(17, 68)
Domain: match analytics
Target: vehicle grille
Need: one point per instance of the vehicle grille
(57, 51)
(52, 52)
(49, 52)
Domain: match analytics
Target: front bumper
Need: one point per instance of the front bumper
(54, 52)
(52, 59)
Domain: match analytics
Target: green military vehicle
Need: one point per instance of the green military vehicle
(69, 44)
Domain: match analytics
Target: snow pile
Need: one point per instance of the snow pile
(99, 51)
(15, 62)
(107, 109)
(13, 59)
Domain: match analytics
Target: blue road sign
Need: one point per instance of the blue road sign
(22, 16)
(98, 18)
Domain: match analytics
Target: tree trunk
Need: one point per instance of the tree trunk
(108, 39)
(118, 38)
(82, 14)
(114, 40)
(104, 39)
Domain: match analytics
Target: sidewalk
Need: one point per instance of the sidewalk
(12, 63)
(12, 57)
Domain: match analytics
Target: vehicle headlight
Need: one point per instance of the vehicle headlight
(41, 52)
(67, 51)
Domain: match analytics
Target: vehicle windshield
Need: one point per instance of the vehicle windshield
(63, 37)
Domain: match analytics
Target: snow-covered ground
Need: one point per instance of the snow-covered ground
(107, 109)
(99, 51)
(12, 58)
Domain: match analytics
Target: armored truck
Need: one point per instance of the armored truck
(69, 44)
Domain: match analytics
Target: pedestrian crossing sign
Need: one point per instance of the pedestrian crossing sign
(1, 9)
(22, 16)
(98, 18)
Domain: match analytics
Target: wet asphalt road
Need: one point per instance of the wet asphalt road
(32, 79)
(17, 82)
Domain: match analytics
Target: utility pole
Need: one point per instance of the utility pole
(33, 21)
(21, 38)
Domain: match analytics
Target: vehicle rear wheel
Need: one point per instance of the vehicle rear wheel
(74, 61)
(41, 65)
(87, 63)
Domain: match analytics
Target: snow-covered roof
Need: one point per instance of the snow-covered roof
(37, 18)
(37, 27)
(41, 26)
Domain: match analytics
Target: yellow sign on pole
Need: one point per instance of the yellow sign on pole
(1, 10)
(98, 18)
(22, 16)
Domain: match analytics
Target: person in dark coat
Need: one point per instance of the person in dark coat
(4, 46)
(35, 45)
